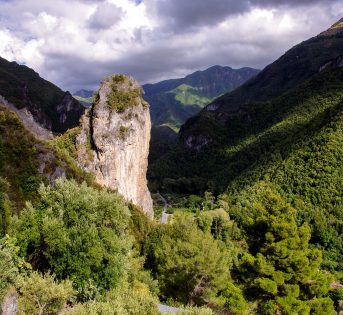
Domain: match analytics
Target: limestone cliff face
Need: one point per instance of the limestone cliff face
(114, 140)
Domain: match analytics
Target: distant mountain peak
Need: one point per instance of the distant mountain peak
(84, 93)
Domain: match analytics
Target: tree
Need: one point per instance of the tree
(285, 271)
(234, 300)
(77, 232)
(40, 294)
(190, 265)
(5, 208)
(10, 263)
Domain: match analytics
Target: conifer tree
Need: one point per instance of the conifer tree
(284, 273)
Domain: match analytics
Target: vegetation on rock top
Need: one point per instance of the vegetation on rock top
(121, 98)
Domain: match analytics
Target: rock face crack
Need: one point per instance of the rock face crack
(114, 140)
(91, 133)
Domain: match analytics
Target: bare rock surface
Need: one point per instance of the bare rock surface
(29, 122)
(114, 140)
(9, 305)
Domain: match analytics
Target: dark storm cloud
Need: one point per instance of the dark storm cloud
(165, 57)
(160, 61)
(289, 2)
(181, 15)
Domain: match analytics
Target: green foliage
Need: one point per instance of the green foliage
(234, 300)
(77, 232)
(119, 99)
(126, 300)
(123, 132)
(189, 264)
(5, 208)
(118, 78)
(10, 264)
(140, 225)
(41, 294)
(67, 142)
(194, 202)
(293, 142)
(218, 223)
(285, 269)
(23, 158)
(322, 306)
(191, 310)
(18, 158)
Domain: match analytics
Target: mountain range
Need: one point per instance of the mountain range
(173, 101)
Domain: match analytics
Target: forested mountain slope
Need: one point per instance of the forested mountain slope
(291, 142)
(51, 107)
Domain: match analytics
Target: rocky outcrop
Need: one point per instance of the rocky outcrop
(10, 305)
(27, 119)
(69, 111)
(62, 114)
(331, 64)
(114, 140)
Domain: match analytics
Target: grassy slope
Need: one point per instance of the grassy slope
(188, 95)
(88, 100)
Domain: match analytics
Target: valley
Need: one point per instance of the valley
(217, 193)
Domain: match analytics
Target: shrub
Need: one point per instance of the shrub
(40, 294)
(120, 99)
(77, 232)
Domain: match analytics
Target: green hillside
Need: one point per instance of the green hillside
(291, 143)
(235, 129)
(85, 97)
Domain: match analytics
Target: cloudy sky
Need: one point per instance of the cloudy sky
(74, 43)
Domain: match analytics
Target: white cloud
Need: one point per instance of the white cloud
(74, 43)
